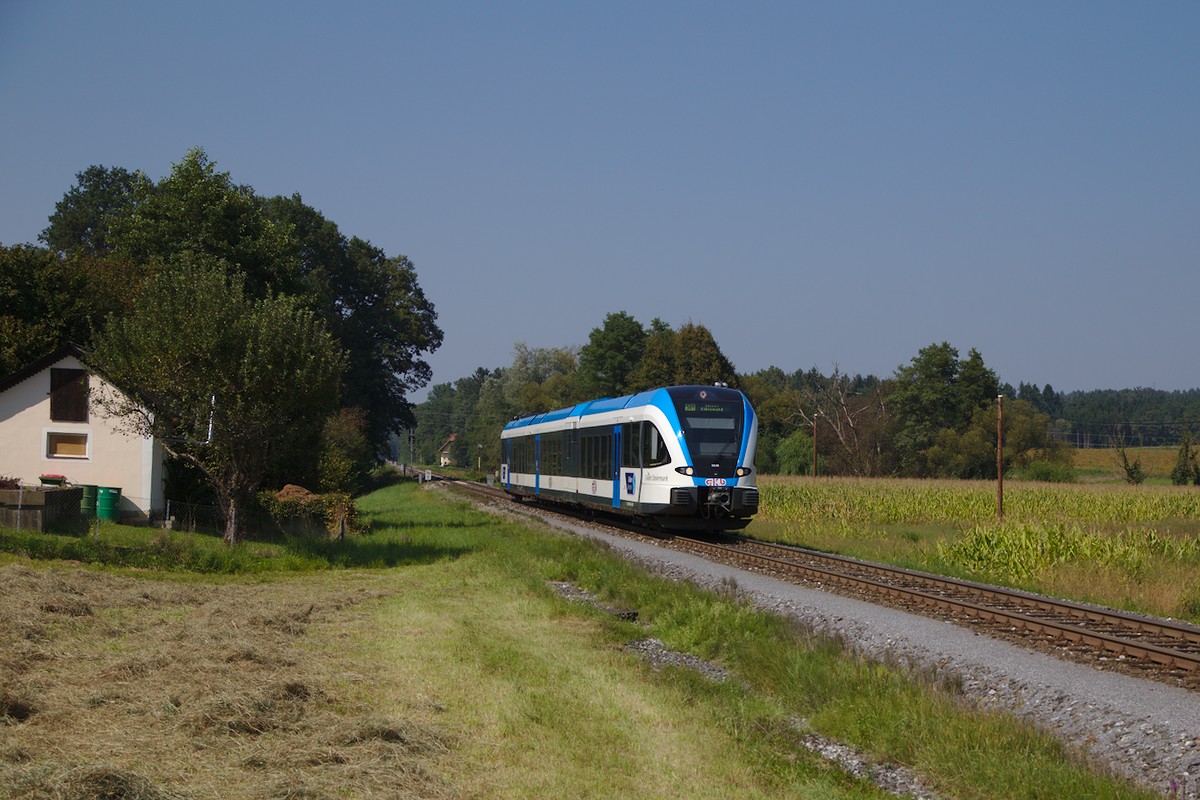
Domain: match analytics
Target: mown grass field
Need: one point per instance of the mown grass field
(1132, 547)
(430, 657)
(1102, 464)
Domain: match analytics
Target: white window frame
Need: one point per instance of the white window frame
(48, 455)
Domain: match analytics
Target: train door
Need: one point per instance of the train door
(571, 460)
(505, 460)
(630, 462)
(616, 462)
(537, 464)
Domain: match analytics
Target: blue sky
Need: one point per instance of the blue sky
(820, 184)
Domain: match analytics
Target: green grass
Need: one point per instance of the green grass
(541, 699)
(527, 690)
(108, 543)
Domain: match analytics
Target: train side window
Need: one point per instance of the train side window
(629, 444)
(654, 447)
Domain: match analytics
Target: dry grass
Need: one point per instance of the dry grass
(1104, 462)
(116, 687)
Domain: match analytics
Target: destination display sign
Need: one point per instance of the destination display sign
(706, 408)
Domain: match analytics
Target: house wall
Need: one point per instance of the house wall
(131, 463)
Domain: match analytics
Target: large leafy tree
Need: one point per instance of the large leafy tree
(687, 356)
(657, 367)
(699, 359)
(385, 322)
(937, 391)
(82, 220)
(971, 452)
(231, 384)
(611, 355)
(80, 232)
(373, 305)
(43, 302)
(541, 379)
(198, 210)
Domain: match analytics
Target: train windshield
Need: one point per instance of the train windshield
(712, 427)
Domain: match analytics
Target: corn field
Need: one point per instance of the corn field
(923, 502)
(1135, 547)
(1022, 551)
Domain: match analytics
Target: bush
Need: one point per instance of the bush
(1047, 472)
(332, 513)
(794, 455)
(345, 458)
(1186, 470)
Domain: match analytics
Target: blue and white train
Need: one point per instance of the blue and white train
(678, 458)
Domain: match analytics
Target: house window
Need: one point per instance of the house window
(66, 445)
(68, 395)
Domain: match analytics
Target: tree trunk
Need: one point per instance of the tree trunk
(232, 523)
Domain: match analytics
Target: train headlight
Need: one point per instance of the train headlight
(685, 471)
(743, 471)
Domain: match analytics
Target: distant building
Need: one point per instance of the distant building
(446, 452)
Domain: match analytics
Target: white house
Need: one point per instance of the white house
(48, 425)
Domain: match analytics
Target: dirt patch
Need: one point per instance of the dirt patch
(139, 689)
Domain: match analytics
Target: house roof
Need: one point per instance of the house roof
(46, 361)
(446, 446)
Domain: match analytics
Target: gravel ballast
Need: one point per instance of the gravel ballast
(1147, 731)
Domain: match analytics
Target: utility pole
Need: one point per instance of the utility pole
(814, 471)
(1000, 456)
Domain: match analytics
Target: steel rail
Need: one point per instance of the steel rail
(1145, 625)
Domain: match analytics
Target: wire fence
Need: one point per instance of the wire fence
(76, 510)
(179, 515)
(191, 517)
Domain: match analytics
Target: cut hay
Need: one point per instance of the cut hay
(167, 690)
(93, 783)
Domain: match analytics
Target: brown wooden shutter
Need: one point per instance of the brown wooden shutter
(68, 395)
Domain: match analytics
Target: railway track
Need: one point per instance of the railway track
(1156, 643)
(1153, 647)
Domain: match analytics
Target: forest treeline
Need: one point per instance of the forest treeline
(935, 416)
(263, 346)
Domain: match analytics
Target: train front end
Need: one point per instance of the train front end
(717, 430)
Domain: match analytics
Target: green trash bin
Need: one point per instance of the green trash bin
(108, 503)
(87, 506)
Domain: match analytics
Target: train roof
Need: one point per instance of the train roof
(605, 404)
